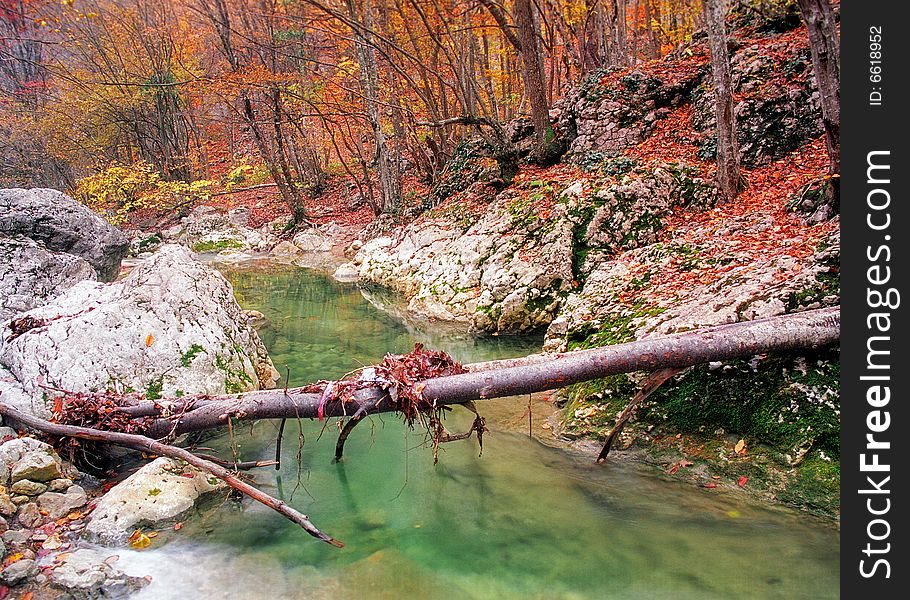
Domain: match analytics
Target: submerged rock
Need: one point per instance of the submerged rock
(161, 491)
(86, 574)
(63, 225)
(171, 327)
(30, 274)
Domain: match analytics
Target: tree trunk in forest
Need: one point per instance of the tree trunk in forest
(521, 376)
(386, 164)
(824, 44)
(525, 39)
(728, 178)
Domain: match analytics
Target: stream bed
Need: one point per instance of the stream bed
(526, 520)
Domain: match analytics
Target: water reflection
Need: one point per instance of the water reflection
(523, 521)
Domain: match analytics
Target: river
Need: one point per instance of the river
(528, 519)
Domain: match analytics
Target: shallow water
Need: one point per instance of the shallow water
(524, 520)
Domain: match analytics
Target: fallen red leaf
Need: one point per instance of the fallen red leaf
(710, 484)
(742, 481)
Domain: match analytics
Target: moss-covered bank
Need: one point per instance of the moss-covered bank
(782, 412)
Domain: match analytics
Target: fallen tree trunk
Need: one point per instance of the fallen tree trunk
(392, 387)
(522, 376)
(145, 444)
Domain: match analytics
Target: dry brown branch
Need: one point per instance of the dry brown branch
(150, 446)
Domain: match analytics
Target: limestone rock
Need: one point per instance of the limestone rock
(14, 451)
(747, 289)
(63, 225)
(285, 248)
(208, 229)
(85, 574)
(158, 492)
(347, 273)
(7, 508)
(58, 505)
(7, 433)
(29, 515)
(37, 466)
(19, 571)
(172, 324)
(30, 274)
(28, 487)
(59, 485)
(506, 273)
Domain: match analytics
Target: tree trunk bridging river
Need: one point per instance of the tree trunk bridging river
(375, 394)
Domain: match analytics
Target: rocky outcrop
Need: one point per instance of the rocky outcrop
(623, 300)
(161, 491)
(608, 118)
(633, 212)
(512, 268)
(505, 273)
(779, 108)
(87, 574)
(208, 229)
(30, 274)
(63, 225)
(43, 511)
(172, 326)
(315, 247)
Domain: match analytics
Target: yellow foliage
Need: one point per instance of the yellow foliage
(121, 189)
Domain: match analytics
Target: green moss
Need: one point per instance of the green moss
(771, 401)
(153, 390)
(186, 359)
(471, 161)
(612, 328)
(787, 407)
(455, 213)
(827, 284)
(149, 242)
(216, 245)
(235, 380)
(815, 485)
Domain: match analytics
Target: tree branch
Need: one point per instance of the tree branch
(148, 445)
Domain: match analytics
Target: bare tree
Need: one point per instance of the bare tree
(824, 44)
(728, 177)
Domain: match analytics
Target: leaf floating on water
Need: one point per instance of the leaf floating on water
(740, 447)
(139, 540)
(178, 526)
(149, 340)
(710, 484)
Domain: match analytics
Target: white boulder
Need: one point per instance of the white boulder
(172, 326)
(163, 490)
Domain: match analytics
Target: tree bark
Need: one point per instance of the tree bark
(510, 377)
(727, 148)
(824, 44)
(150, 446)
(533, 72)
(493, 379)
(386, 164)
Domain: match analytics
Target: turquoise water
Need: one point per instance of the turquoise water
(523, 521)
